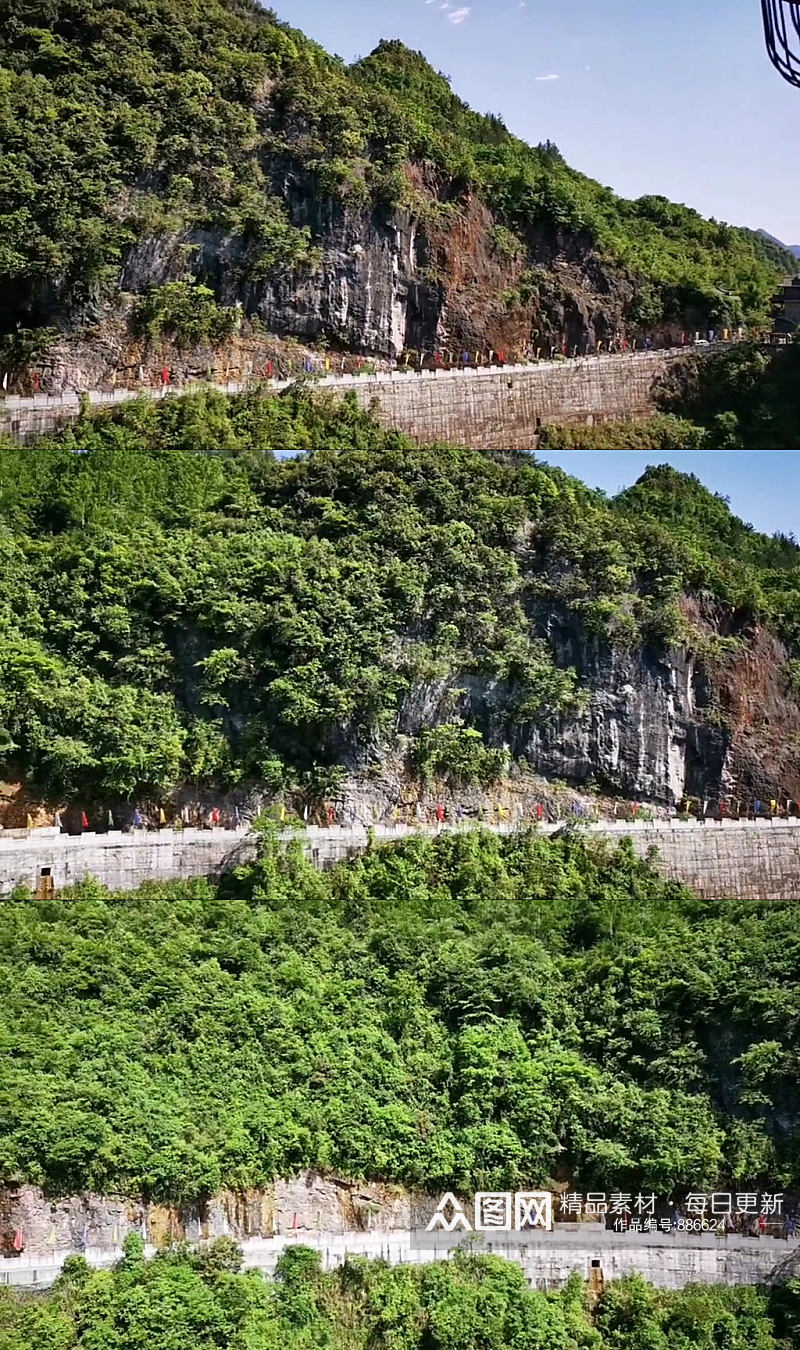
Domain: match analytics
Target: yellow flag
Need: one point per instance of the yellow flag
(29, 821)
(162, 816)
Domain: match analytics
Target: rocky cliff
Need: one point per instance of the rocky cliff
(306, 1204)
(658, 724)
(364, 205)
(389, 280)
(385, 282)
(259, 623)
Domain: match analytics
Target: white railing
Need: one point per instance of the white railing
(359, 831)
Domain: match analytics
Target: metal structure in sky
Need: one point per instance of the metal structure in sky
(782, 31)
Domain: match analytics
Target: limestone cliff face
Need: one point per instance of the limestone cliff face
(641, 733)
(658, 723)
(387, 281)
(306, 1204)
(391, 281)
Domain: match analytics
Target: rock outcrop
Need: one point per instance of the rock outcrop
(386, 282)
(35, 1224)
(658, 724)
(390, 281)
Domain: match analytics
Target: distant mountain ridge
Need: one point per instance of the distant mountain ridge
(790, 248)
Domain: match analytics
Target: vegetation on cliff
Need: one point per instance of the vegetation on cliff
(177, 605)
(748, 398)
(664, 431)
(452, 1014)
(199, 1301)
(119, 123)
(745, 398)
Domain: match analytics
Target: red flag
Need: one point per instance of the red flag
(84, 821)
(164, 375)
(18, 1240)
(270, 369)
(538, 810)
(36, 381)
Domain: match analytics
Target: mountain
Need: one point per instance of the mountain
(164, 143)
(177, 607)
(794, 249)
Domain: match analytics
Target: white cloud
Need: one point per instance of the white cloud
(543, 79)
(459, 15)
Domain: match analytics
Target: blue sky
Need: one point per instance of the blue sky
(763, 486)
(676, 97)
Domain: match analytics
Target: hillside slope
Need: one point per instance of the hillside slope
(200, 1300)
(178, 606)
(150, 143)
(794, 249)
(462, 1013)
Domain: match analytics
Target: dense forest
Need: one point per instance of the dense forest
(123, 123)
(452, 1014)
(200, 1301)
(178, 605)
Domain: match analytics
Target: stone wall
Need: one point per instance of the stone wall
(341, 1219)
(747, 859)
(502, 410)
(485, 409)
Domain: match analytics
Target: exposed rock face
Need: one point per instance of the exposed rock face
(762, 720)
(388, 280)
(640, 734)
(659, 723)
(307, 1203)
(369, 294)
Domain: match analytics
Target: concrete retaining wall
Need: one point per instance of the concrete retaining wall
(745, 859)
(486, 409)
(548, 1259)
(503, 410)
